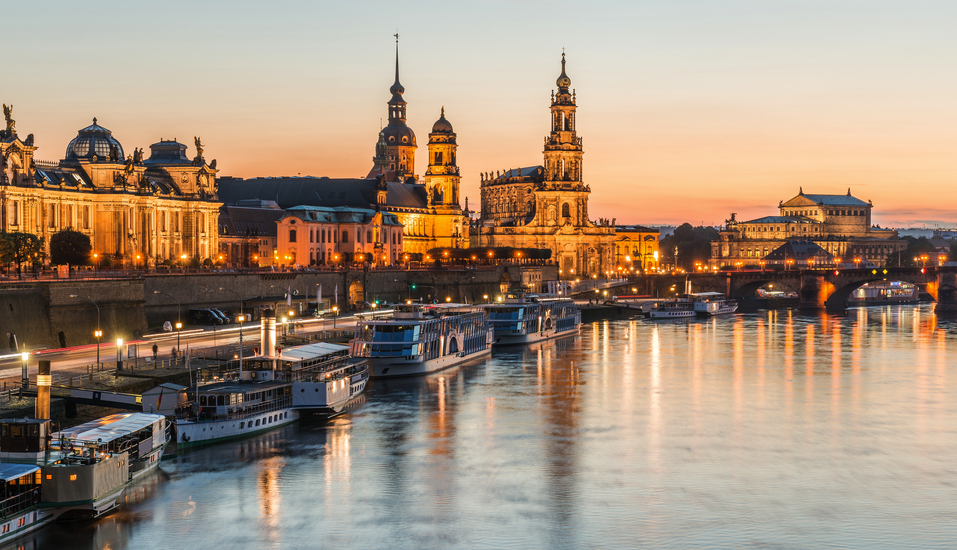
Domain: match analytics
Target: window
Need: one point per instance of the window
(369, 236)
(438, 158)
(86, 217)
(311, 235)
(292, 235)
(565, 210)
(323, 235)
(358, 235)
(242, 425)
(345, 236)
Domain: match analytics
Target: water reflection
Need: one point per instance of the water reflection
(773, 429)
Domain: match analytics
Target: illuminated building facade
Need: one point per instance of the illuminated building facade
(307, 235)
(137, 211)
(839, 224)
(636, 247)
(546, 206)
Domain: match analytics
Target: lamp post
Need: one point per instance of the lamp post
(97, 333)
(373, 311)
(119, 354)
(25, 374)
(240, 318)
(335, 315)
(242, 303)
(179, 326)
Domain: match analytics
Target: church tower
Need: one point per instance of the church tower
(399, 138)
(563, 147)
(442, 176)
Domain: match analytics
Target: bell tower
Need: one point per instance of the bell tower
(442, 176)
(563, 147)
(399, 138)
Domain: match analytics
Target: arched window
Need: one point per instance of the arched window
(369, 236)
(566, 212)
(345, 236)
(358, 235)
(292, 235)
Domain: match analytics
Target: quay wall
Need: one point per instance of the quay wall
(41, 314)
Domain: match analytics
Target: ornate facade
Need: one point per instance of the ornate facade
(547, 206)
(636, 248)
(839, 224)
(136, 211)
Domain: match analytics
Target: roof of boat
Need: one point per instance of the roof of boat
(310, 351)
(10, 472)
(110, 427)
(706, 294)
(242, 387)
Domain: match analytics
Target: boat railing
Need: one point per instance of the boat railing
(18, 504)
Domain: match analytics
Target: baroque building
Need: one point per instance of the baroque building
(137, 211)
(546, 206)
(636, 248)
(839, 224)
(343, 234)
(428, 209)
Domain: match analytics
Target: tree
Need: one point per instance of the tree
(70, 247)
(916, 248)
(20, 248)
(693, 244)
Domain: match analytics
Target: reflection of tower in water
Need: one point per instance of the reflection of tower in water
(559, 381)
(270, 494)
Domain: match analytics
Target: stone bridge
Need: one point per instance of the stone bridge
(817, 289)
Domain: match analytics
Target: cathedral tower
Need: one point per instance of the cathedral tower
(399, 138)
(442, 176)
(563, 147)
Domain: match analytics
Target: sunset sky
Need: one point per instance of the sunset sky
(689, 109)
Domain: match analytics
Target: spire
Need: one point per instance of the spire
(563, 81)
(396, 89)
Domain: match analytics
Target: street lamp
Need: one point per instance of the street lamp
(485, 296)
(240, 318)
(119, 354)
(98, 332)
(242, 303)
(373, 310)
(178, 327)
(25, 375)
(335, 315)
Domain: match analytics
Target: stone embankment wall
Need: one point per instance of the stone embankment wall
(43, 315)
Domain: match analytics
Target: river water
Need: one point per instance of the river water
(767, 430)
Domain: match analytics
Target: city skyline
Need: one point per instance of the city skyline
(688, 110)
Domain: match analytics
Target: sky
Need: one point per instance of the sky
(689, 109)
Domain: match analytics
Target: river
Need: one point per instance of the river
(767, 430)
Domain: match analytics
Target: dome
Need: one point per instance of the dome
(442, 125)
(94, 140)
(563, 81)
(398, 134)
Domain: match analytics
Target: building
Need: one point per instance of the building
(428, 209)
(839, 224)
(247, 233)
(636, 248)
(546, 206)
(309, 235)
(137, 212)
(799, 255)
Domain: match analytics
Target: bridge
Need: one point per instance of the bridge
(816, 288)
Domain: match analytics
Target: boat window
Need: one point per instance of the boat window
(242, 425)
(202, 400)
(220, 400)
(257, 421)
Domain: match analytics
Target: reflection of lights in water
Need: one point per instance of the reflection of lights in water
(336, 460)
(809, 363)
(836, 365)
(789, 363)
(270, 494)
(654, 400)
(738, 383)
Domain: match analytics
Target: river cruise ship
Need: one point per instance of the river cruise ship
(423, 338)
(524, 318)
(272, 391)
(709, 304)
(668, 309)
(884, 293)
(81, 471)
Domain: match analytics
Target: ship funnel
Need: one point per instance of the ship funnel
(44, 379)
(268, 333)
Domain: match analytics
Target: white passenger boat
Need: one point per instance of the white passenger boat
(524, 318)
(84, 470)
(423, 338)
(273, 390)
(668, 309)
(709, 304)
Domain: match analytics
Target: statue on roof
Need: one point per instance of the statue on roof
(114, 153)
(137, 156)
(199, 148)
(129, 164)
(8, 116)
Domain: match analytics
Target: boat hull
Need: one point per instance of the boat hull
(32, 520)
(657, 314)
(386, 367)
(504, 338)
(724, 310)
(329, 401)
(190, 433)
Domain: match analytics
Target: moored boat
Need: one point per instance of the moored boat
(524, 318)
(709, 304)
(668, 309)
(423, 338)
